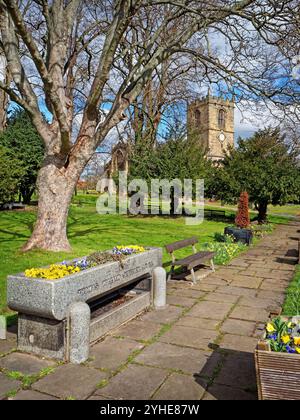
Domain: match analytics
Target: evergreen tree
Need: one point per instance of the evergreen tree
(265, 167)
(23, 141)
(11, 174)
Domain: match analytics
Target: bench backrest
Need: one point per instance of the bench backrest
(181, 244)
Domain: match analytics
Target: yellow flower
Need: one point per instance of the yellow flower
(298, 350)
(297, 341)
(270, 328)
(54, 272)
(286, 339)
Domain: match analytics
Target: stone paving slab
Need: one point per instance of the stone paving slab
(112, 353)
(238, 370)
(208, 310)
(278, 297)
(134, 383)
(238, 343)
(236, 291)
(226, 393)
(201, 323)
(163, 316)
(32, 396)
(250, 314)
(237, 327)
(221, 297)
(181, 301)
(138, 330)
(215, 281)
(180, 387)
(7, 385)
(24, 363)
(168, 356)
(188, 293)
(204, 287)
(247, 281)
(6, 346)
(189, 337)
(257, 302)
(71, 381)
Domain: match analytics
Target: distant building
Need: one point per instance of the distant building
(210, 121)
(119, 162)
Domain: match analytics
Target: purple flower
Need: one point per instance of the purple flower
(273, 336)
(289, 349)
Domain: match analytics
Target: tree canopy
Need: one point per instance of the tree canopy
(25, 144)
(96, 58)
(265, 167)
(11, 173)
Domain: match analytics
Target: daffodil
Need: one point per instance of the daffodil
(285, 339)
(270, 328)
(297, 341)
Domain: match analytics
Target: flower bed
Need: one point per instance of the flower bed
(51, 297)
(67, 268)
(277, 360)
(226, 249)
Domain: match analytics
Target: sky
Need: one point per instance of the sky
(245, 125)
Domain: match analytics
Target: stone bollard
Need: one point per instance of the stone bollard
(159, 288)
(2, 327)
(79, 332)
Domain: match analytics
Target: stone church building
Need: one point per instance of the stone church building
(210, 122)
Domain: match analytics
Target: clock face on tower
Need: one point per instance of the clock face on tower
(222, 137)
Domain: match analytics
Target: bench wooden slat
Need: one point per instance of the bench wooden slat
(181, 244)
(193, 260)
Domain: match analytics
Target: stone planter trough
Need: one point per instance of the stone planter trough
(55, 315)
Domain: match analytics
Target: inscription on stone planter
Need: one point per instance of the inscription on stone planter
(86, 290)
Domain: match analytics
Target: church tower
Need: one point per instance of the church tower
(211, 123)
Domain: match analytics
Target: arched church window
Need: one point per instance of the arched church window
(197, 117)
(222, 119)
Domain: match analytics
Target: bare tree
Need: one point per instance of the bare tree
(69, 56)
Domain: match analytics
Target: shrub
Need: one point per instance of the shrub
(242, 219)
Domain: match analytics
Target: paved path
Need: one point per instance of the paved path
(199, 347)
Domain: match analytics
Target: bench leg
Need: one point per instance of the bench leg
(193, 276)
(170, 273)
(212, 265)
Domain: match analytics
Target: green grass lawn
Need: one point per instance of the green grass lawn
(291, 305)
(89, 231)
(287, 210)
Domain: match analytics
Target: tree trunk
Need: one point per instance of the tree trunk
(55, 190)
(262, 212)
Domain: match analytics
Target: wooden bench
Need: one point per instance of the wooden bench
(214, 213)
(192, 260)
